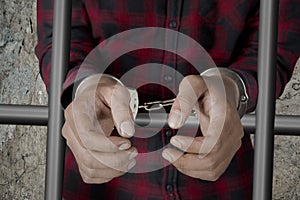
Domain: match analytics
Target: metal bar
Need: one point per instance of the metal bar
(24, 114)
(264, 138)
(60, 60)
(38, 115)
(284, 124)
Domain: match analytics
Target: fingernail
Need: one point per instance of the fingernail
(124, 146)
(175, 119)
(133, 155)
(177, 143)
(167, 156)
(127, 128)
(131, 164)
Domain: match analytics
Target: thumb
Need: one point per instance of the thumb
(190, 89)
(121, 112)
(117, 98)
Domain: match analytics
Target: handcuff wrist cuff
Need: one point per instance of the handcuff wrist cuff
(243, 96)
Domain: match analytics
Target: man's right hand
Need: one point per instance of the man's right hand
(89, 121)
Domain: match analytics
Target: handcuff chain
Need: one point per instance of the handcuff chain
(157, 105)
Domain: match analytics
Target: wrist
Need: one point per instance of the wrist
(232, 91)
(91, 83)
(234, 86)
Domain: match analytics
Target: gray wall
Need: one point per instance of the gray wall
(22, 148)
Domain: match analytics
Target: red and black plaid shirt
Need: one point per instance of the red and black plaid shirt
(228, 30)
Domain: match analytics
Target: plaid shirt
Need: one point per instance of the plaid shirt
(228, 30)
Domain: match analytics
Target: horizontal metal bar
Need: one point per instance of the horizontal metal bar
(24, 114)
(284, 124)
(38, 115)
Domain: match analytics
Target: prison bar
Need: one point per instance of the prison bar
(59, 61)
(24, 115)
(38, 115)
(264, 138)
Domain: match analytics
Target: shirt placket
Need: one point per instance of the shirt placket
(173, 17)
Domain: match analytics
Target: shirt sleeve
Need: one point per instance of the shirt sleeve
(80, 44)
(288, 48)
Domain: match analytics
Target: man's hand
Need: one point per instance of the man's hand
(90, 119)
(205, 157)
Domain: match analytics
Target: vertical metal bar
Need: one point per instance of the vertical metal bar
(264, 139)
(60, 59)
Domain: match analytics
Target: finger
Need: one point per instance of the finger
(202, 115)
(96, 159)
(82, 113)
(96, 141)
(90, 180)
(106, 173)
(208, 175)
(118, 99)
(80, 153)
(82, 122)
(187, 144)
(190, 162)
(190, 89)
(223, 122)
(117, 160)
(194, 162)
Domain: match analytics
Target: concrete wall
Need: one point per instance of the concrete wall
(22, 148)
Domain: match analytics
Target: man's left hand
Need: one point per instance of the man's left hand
(208, 156)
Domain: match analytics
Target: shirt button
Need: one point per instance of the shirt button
(169, 188)
(168, 78)
(169, 133)
(172, 24)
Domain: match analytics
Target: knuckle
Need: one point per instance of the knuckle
(213, 176)
(84, 177)
(185, 100)
(87, 180)
(121, 91)
(186, 81)
(211, 164)
(89, 172)
(88, 161)
(191, 78)
(64, 131)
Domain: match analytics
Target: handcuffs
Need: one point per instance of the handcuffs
(156, 105)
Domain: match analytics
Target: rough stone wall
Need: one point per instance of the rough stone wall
(286, 170)
(22, 148)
